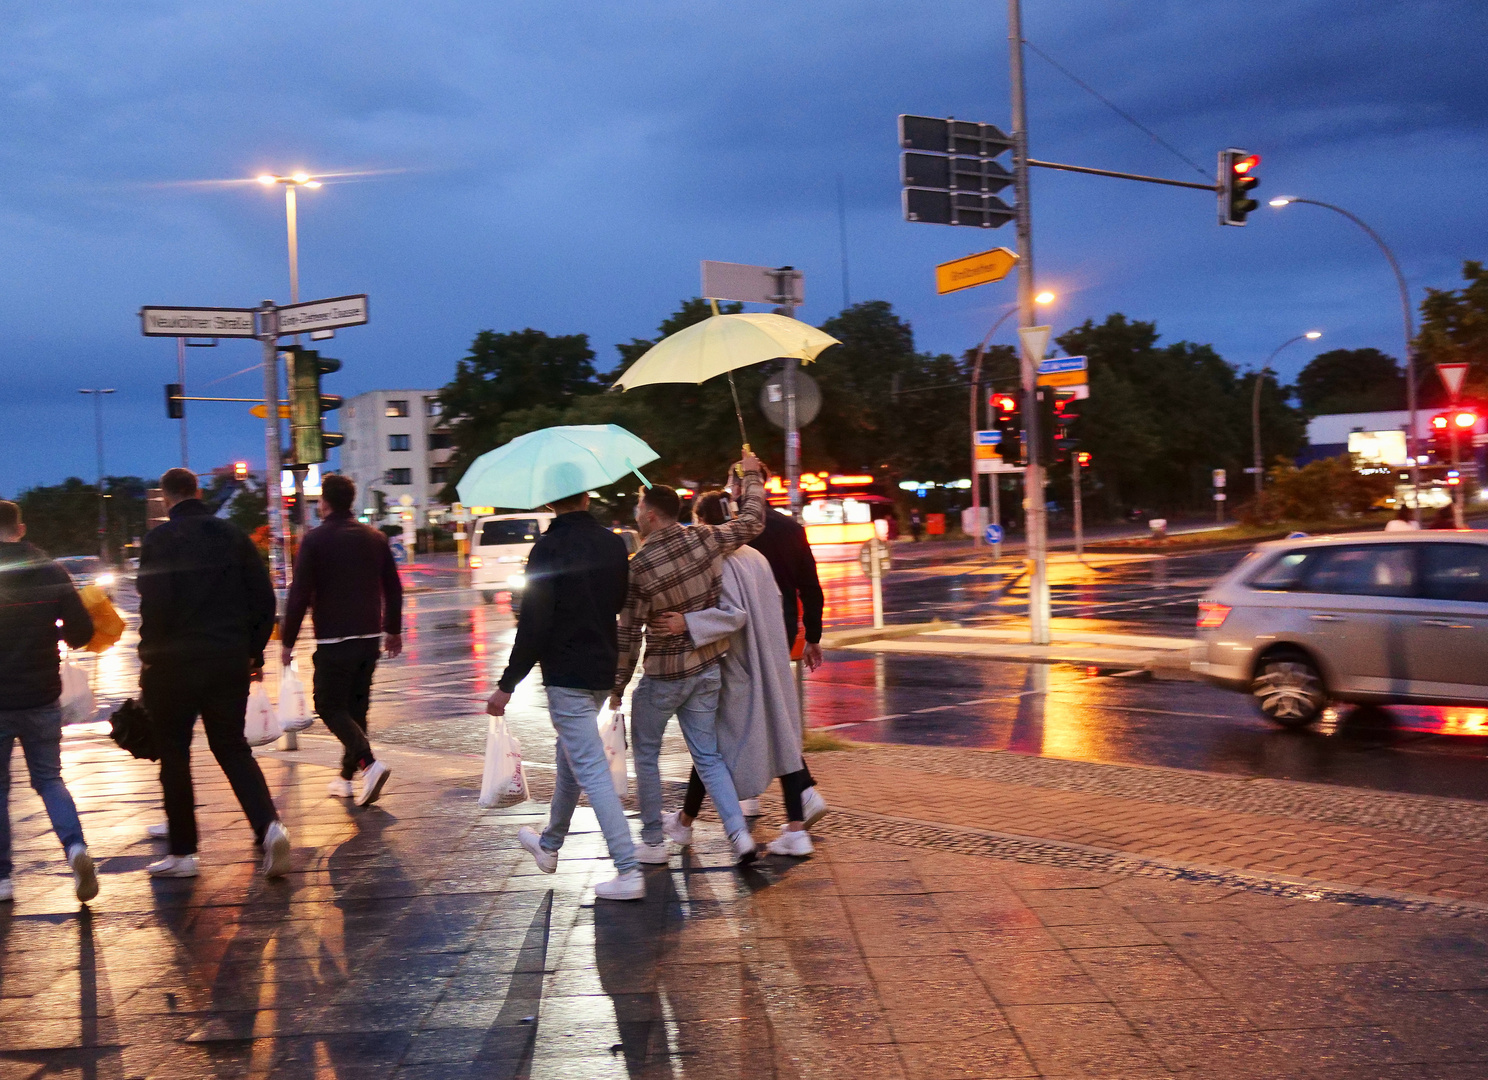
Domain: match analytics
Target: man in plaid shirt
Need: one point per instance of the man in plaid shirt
(681, 569)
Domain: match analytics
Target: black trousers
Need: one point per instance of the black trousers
(175, 694)
(343, 692)
(792, 786)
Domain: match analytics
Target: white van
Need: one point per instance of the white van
(499, 548)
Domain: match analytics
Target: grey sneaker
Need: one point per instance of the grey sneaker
(813, 807)
(653, 854)
(174, 866)
(744, 849)
(158, 831)
(529, 838)
(372, 781)
(84, 873)
(630, 885)
(673, 829)
(276, 851)
(340, 789)
(793, 842)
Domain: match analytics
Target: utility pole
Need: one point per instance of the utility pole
(785, 285)
(98, 438)
(181, 378)
(268, 328)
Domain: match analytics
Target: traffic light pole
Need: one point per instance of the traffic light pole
(181, 378)
(268, 324)
(1036, 515)
(786, 292)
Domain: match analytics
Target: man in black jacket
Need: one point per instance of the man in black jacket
(345, 573)
(35, 595)
(206, 613)
(577, 576)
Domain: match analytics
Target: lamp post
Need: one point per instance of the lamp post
(98, 436)
(1255, 402)
(291, 184)
(1410, 332)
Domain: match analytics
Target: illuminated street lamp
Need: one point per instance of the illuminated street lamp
(291, 183)
(1255, 403)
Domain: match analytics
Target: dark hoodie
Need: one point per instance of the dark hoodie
(34, 594)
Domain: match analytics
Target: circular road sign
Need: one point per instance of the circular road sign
(808, 399)
(993, 534)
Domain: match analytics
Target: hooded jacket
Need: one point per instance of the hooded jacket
(34, 594)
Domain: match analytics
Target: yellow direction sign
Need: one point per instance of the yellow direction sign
(974, 270)
(262, 411)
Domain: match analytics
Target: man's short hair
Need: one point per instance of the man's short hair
(711, 508)
(179, 483)
(10, 516)
(339, 491)
(570, 504)
(664, 500)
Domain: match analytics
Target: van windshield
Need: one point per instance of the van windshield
(511, 531)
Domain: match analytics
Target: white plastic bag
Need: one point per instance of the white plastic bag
(294, 710)
(261, 726)
(612, 733)
(77, 696)
(503, 774)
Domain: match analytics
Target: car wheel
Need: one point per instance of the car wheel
(488, 597)
(1289, 690)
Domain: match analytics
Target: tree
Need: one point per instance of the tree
(63, 519)
(1454, 328)
(1351, 380)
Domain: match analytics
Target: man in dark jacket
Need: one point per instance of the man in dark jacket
(206, 613)
(35, 595)
(346, 574)
(576, 580)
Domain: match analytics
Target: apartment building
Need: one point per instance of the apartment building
(396, 443)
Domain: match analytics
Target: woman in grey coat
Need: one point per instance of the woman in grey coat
(759, 715)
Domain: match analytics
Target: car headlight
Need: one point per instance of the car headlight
(516, 581)
(104, 580)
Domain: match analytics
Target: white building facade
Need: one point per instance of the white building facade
(396, 443)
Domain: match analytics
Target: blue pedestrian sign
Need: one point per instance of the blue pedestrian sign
(988, 438)
(993, 534)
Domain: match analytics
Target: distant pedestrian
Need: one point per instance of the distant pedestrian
(1403, 520)
(1444, 519)
(206, 613)
(916, 526)
(36, 595)
(346, 576)
(576, 580)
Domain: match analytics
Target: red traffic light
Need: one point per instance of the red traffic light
(1083, 457)
(1439, 421)
(1004, 403)
(240, 470)
(1245, 164)
(1465, 419)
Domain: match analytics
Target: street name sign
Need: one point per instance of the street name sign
(1063, 371)
(323, 314)
(1451, 377)
(752, 284)
(197, 322)
(988, 438)
(974, 270)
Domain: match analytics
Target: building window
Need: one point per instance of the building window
(397, 407)
(398, 477)
(439, 474)
(397, 442)
(440, 440)
(432, 407)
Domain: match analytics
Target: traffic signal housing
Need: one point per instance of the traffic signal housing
(175, 401)
(309, 440)
(1066, 428)
(1237, 179)
(1441, 436)
(1007, 421)
(240, 470)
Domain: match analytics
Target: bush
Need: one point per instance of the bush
(1319, 491)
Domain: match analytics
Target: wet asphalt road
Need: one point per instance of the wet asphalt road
(456, 647)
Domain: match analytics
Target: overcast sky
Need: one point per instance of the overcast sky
(566, 166)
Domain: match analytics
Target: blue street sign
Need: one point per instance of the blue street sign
(1061, 364)
(988, 438)
(993, 534)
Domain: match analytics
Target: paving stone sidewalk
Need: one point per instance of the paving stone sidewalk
(415, 939)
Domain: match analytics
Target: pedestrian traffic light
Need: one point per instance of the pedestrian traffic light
(175, 402)
(1066, 427)
(1441, 436)
(1237, 178)
(309, 440)
(240, 470)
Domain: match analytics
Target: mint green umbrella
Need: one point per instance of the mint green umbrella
(551, 464)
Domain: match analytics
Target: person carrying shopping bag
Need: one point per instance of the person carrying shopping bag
(759, 716)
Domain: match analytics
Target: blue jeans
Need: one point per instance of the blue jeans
(582, 765)
(694, 702)
(40, 732)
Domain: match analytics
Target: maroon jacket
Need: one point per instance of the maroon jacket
(345, 573)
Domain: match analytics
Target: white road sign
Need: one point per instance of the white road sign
(1035, 341)
(196, 322)
(751, 284)
(323, 314)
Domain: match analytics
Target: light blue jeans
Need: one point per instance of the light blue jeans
(582, 765)
(694, 702)
(40, 732)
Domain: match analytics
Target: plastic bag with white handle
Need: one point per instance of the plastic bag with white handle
(294, 710)
(612, 733)
(261, 725)
(77, 701)
(503, 773)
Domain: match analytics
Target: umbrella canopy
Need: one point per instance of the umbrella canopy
(544, 466)
(723, 343)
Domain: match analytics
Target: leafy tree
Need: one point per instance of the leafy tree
(1319, 491)
(1454, 328)
(249, 509)
(1351, 380)
(63, 519)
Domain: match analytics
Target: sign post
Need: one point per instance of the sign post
(1219, 479)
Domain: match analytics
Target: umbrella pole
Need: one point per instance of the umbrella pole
(738, 412)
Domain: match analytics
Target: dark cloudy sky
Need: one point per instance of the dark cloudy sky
(566, 166)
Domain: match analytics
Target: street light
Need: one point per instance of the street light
(98, 434)
(291, 183)
(1410, 330)
(1255, 403)
(976, 379)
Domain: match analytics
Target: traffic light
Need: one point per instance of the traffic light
(240, 470)
(309, 440)
(1237, 178)
(1441, 436)
(1006, 421)
(175, 402)
(1066, 427)
(1082, 458)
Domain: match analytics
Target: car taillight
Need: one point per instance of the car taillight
(1212, 616)
(475, 562)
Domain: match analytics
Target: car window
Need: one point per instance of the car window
(1455, 572)
(1372, 570)
(512, 531)
(1285, 572)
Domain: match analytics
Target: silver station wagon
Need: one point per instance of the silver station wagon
(1379, 618)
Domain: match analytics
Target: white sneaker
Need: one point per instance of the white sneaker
(528, 837)
(630, 885)
(174, 866)
(813, 807)
(84, 873)
(673, 829)
(7, 890)
(276, 851)
(372, 781)
(653, 854)
(744, 849)
(159, 831)
(750, 807)
(795, 843)
(339, 789)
